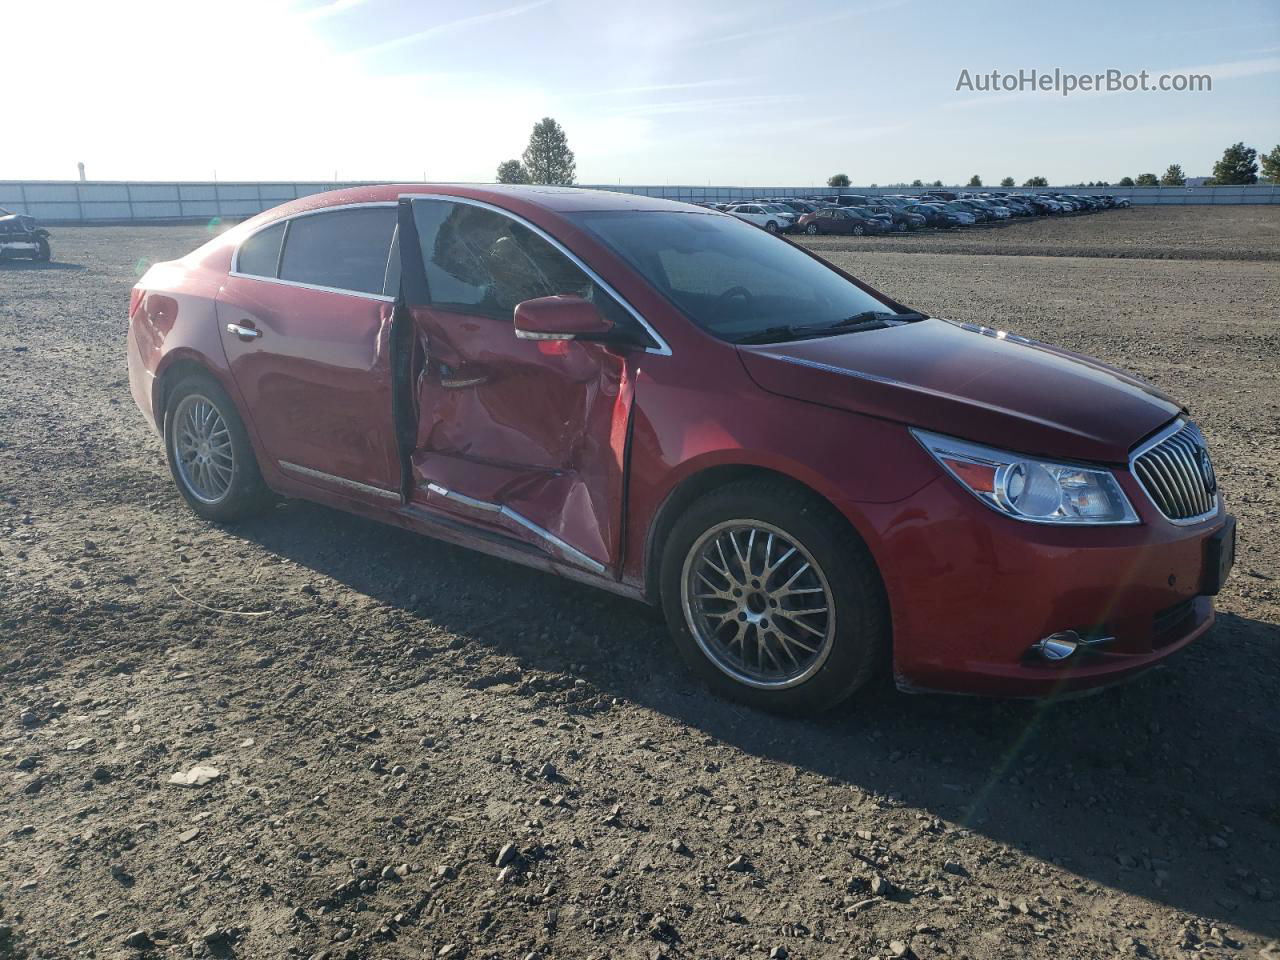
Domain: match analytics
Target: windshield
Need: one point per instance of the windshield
(728, 277)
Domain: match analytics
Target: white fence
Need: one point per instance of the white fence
(71, 201)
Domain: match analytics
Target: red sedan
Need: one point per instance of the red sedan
(813, 480)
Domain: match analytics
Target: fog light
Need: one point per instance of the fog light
(1057, 646)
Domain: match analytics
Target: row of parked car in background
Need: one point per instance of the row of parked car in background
(940, 209)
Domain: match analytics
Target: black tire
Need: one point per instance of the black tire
(857, 230)
(860, 633)
(45, 252)
(245, 494)
(811, 229)
(771, 227)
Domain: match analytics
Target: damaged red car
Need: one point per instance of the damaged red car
(815, 482)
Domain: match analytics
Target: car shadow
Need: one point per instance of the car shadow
(1165, 787)
(37, 265)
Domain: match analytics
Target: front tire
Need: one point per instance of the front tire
(772, 599)
(771, 227)
(858, 230)
(45, 252)
(811, 229)
(209, 452)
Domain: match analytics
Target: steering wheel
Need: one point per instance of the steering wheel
(739, 291)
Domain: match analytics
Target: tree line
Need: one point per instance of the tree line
(547, 159)
(1239, 165)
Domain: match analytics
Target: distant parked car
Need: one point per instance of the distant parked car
(902, 220)
(968, 216)
(980, 213)
(756, 213)
(852, 200)
(841, 220)
(21, 236)
(937, 216)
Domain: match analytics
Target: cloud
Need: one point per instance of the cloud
(809, 24)
(706, 104)
(451, 26)
(332, 8)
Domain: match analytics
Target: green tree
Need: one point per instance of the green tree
(838, 180)
(1007, 182)
(936, 183)
(1147, 180)
(548, 158)
(1271, 165)
(1174, 177)
(512, 171)
(917, 183)
(1036, 182)
(1239, 164)
(1125, 182)
(975, 181)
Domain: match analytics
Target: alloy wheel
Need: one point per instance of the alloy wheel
(758, 604)
(202, 449)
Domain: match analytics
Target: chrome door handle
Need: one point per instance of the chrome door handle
(244, 333)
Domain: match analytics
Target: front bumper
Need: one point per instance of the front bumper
(971, 590)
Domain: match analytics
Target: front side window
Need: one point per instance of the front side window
(342, 249)
(482, 262)
(259, 256)
(726, 276)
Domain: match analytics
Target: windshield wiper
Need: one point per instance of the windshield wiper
(867, 320)
(887, 316)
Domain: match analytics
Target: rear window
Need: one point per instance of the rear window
(260, 254)
(345, 249)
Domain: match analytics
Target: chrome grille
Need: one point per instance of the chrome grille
(1177, 474)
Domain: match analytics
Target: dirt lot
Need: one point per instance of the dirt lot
(386, 714)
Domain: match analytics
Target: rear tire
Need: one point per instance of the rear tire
(805, 660)
(858, 231)
(209, 453)
(44, 253)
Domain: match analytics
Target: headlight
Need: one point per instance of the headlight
(1039, 491)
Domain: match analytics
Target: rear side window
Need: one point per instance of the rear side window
(345, 249)
(260, 254)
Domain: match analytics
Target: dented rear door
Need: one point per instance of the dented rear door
(523, 436)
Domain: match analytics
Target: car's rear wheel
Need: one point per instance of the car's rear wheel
(772, 600)
(209, 452)
(811, 229)
(43, 252)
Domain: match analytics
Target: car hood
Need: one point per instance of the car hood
(972, 382)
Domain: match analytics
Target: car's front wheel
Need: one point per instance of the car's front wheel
(857, 231)
(772, 599)
(811, 229)
(771, 227)
(209, 452)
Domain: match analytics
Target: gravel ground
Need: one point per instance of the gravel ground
(414, 751)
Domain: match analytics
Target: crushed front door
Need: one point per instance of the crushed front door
(524, 436)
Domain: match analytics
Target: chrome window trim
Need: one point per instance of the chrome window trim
(1171, 430)
(566, 550)
(662, 349)
(235, 256)
(356, 485)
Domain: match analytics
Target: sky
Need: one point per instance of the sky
(661, 92)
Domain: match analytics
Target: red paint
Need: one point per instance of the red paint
(568, 432)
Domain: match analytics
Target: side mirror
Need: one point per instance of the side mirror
(560, 318)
